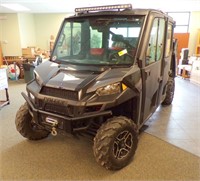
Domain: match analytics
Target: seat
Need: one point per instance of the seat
(96, 53)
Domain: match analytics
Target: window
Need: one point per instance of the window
(182, 21)
(130, 34)
(68, 45)
(76, 41)
(96, 39)
(169, 40)
(155, 48)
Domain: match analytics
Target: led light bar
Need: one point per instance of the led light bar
(104, 8)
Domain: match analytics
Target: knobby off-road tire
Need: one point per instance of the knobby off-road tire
(26, 127)
(170, 91)
(115, 143)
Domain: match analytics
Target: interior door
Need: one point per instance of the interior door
(152, 72)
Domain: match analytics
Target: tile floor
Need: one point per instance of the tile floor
(179, 123)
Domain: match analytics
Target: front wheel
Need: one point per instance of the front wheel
(26, 127)
(115, 143)
(170, 92)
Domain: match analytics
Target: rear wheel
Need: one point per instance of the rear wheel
(26, 127)
(115, 143)
(170, 92)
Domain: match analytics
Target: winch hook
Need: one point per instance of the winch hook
(53, 131)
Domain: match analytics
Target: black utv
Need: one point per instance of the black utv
(110, 69)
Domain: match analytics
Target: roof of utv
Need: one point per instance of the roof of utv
(125, 9)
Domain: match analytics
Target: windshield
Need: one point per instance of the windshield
(98, 41)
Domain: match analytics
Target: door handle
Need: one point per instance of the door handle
(160, 79)
(147, 73)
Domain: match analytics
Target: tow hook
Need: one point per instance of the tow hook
(53, 123)
(53, 131)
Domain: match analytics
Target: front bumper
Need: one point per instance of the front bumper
(66, 123)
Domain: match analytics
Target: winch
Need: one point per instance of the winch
(52, 122)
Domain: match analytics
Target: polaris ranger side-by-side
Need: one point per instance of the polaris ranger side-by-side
(110, 69)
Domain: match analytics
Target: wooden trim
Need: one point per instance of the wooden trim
(183, 40)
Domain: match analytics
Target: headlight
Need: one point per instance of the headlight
(110, 89)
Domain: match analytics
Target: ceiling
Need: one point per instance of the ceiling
(66, 6)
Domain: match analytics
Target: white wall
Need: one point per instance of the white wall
(23, 30)
(45, 26)
(193, 28)
(9, 32)
(27, 30)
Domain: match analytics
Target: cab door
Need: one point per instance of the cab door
(168, 67)
(152, 68)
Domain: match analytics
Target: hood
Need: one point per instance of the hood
(79, 77)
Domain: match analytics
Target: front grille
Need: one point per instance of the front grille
(65, 110)
(56, 109)
(61, 93)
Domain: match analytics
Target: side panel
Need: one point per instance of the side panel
(155, 62)
(151, 75)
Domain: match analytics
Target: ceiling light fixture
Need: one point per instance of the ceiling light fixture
(15, 7)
